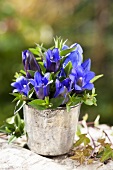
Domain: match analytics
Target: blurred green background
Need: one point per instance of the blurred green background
(88, 22)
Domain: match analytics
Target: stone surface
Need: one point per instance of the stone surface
(15, 157)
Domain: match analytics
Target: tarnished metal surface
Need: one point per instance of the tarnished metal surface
(51, 132)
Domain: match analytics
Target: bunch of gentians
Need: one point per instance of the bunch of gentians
(54, 77)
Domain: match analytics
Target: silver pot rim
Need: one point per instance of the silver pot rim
(58, 108)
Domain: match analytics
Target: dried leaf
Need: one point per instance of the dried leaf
(90, 161)
(101, 141)
(79, 156)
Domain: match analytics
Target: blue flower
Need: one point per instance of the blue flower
(52, 60)
(76, 56)
(81, 76)
(61, 73)
(62, 88)
(41, 84)
(29, 62)
(21, 85)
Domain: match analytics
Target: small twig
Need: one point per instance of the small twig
(94, 145)
(84, 123)
(107, 137)
(88, 123)
(105, 134)
(92, 140)
(92, 123)
(3, 136)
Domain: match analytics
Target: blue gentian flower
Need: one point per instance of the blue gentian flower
(61, 73)
(62, 88)
(21, 85)
(81, 76)
(65, 47)
(29, 62)
(52, 60)
(41, 84)
(76, 56)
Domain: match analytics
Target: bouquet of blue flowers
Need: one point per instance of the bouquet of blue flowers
(54, 77)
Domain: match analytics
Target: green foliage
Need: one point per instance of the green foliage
(74, 100)
(68, 68)
(14, 126)
(105, 151)
(19, 106)
(82, 139)
(67, 51)
(56, 102)
(38, 51)
(35, 51)
(38, 104)
(59, 42)
(31, 72)
(86, 149)
(53, 103)
(88, 99)
(96, 78)
(42, 67)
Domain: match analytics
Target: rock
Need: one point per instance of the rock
(13, 157)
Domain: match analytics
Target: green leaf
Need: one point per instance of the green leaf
(40, 47)
(82, 139)
(3, 129)
(68, 68)
(38, 104)
(96, 78)
(9, 124)
(88, 102)
(17, 75)
(17, 120)
(19, 106)
(68, 107)
(38, 107)
(89, 99)
(56, 102)
(75, 100)
(58, 42)
(10, 120)
(31, 72)
(18, 96)
(34, 51)
(12, 138)
(47, 100)
(93, 91)
(30, 93)
(42, 67)
(23, 72)
(67, 51)
(22, 126)
(96, 122)
(85, 117)
(79, 128)
(108, 152)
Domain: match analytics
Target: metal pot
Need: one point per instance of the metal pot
(51, 132)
